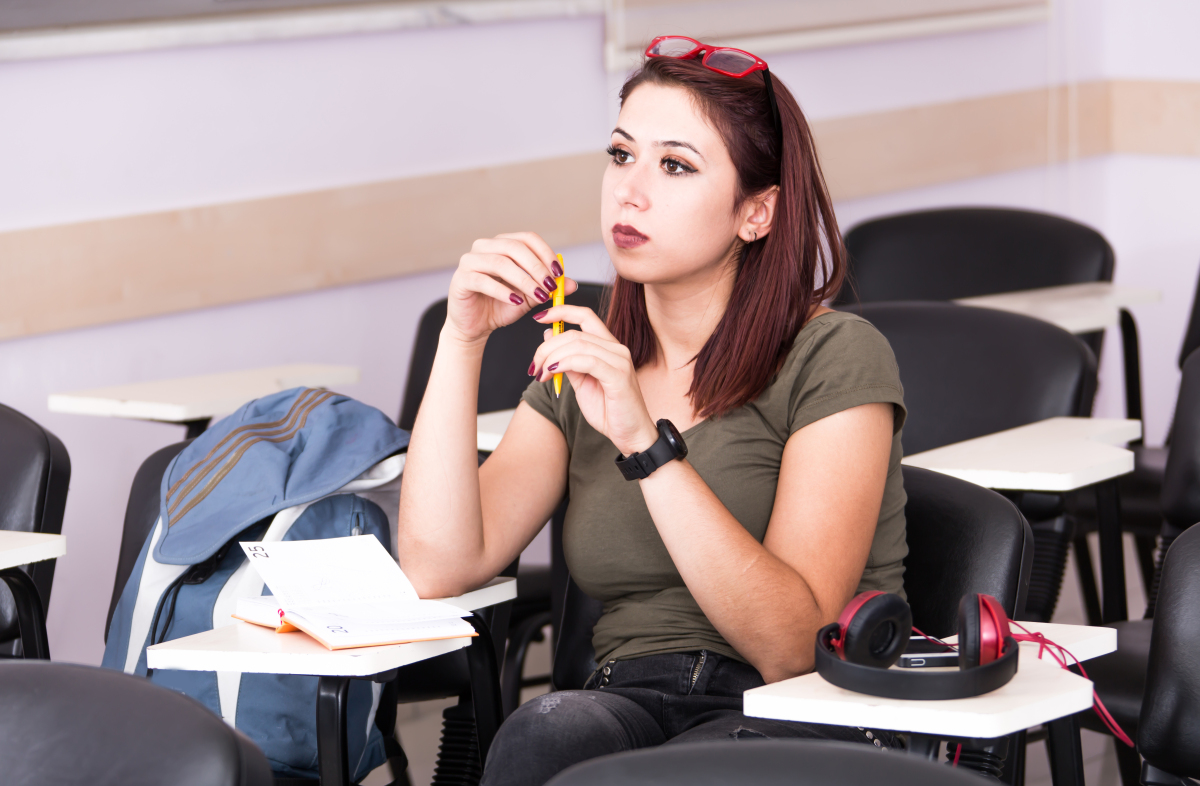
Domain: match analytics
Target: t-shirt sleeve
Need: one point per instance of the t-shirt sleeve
(540, 396)
(846, 364)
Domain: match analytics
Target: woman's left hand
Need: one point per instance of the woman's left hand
(601, 373)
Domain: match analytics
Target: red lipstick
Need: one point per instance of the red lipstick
(625, 236)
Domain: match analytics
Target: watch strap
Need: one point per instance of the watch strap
(637, 466)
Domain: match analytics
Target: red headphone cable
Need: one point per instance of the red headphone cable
(1045, 645)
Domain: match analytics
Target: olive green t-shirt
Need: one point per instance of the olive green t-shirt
(612, 547)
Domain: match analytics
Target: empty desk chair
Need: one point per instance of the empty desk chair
(66, 725)
(35, 471)
(1120, 677)
(1170, 717)
(968, 372)
(762, 763)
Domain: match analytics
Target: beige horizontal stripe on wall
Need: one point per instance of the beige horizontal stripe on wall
(89, 273)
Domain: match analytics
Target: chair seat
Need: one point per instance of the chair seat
(1120, 677)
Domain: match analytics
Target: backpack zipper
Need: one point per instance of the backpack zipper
(697, 668)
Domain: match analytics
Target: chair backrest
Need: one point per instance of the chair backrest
(965, 252)
(1180, 496)
(506, 357)
(35, 471)
(968, 371)
(79, 724)
(1169, 724)
(140, 514)
(762, 763)
(1191, 336)
(962, 538)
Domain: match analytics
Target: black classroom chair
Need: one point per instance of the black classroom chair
(953, 253)
(1121, 676)
(35, 472)
(467, 728)
(1170, 715)
(962, 538)
(78, 725)
(502, 380)
(968, 372)
(763, 763)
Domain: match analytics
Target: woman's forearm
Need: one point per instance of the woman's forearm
(759, 604)
(440, 533)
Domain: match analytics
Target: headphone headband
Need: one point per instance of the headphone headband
(913, 683)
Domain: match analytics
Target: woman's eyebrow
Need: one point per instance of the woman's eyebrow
(675, 143)
(663, 143)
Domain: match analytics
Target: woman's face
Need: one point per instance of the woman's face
(667, 203)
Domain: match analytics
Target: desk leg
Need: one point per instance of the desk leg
(333, 757)
(485, 685)
(195, 427)
(924, 745)
(1066, 754)
(30, 617)
(1112, 551)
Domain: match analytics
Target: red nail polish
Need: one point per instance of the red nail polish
(541, 313)
(540, 295)
(550, 284)
(516, 299)
(552, 366)
(531, 367)
(556, 268)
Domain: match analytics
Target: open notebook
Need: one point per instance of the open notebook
(344, 592)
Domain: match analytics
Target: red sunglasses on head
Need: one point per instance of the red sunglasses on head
(722, 59)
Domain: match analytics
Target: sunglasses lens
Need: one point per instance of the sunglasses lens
(731, 62)
(672, 47)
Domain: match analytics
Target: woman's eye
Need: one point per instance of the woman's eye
(673, 166)
(619, 156)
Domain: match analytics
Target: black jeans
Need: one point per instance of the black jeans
(630, 704)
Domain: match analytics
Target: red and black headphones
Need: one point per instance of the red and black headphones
(857, 651)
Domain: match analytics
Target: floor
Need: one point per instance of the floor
(419, 725)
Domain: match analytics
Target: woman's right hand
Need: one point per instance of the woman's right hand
(497, 281)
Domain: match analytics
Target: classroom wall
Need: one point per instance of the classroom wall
(98, 137)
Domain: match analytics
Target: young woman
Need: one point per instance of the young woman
(716, 570)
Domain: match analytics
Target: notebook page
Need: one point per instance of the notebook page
(330, 573)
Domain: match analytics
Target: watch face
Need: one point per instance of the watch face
(668, 430)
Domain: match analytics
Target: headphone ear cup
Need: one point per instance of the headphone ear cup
(878, 632)
(968, 632)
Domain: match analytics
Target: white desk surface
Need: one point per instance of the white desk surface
(492, 426)
(1040, 692)
(240, 646)
(195, 398)
(1057, 454)
(21, 548)
(1078, 308)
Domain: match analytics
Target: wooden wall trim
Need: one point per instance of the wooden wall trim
(97, 272)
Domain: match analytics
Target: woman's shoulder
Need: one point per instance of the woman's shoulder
(842, 338)
(837, 360)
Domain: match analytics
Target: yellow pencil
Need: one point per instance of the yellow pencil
(560, 297)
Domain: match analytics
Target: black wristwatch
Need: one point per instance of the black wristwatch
(670, 446)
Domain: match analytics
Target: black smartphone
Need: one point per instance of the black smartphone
(922, 653)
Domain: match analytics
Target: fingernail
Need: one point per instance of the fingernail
(556, 268)
(541, 313)
(531, 367)
(516, 299)
(537, 374)
(540, 295)
(550, 284)
(552, 366)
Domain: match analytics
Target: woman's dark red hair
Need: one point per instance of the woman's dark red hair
(780, 277)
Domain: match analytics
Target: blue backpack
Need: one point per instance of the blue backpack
(297, 465)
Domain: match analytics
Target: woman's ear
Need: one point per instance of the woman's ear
(758, 214)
